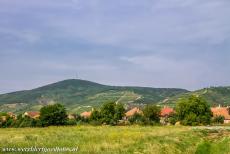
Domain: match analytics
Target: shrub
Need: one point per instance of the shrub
(172, 119)
(136, 119)
(218, 119)
(8, 122)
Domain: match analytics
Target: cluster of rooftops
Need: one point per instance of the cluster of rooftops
(165, 112)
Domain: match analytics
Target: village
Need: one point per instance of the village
(165, 113)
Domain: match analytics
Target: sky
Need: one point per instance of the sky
(153, 43)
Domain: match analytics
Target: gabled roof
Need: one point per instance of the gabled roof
(166, 111)
(86, 114)
(221, 111)
(133, 111)
(32, 114)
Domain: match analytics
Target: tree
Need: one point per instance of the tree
(119, 111)
(53, 115)
(111, 113)
(152, 113)
(193, 111)
(95, 116)
(107, 113)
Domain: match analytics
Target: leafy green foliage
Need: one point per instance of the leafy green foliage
(119, 111)
(110, 113)
(95, 116)
(152, 113)
(53, 115)
(137, 119)
(218, 120)
(172, 119)
(193, 111)
(7, 122)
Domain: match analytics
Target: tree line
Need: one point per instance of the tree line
(191, 111)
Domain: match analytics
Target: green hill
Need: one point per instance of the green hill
(213, 95)
(79, 95)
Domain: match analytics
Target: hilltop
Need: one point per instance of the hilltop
(214, 96)
(78, 95)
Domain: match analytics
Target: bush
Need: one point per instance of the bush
(172, 119)
(136, 119)
(8, 122)
(26, 122)
(71, 122)
(218, 119)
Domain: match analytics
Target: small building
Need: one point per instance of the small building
(72, 116)
(12, 115)
(221, 111)
(86, 114)
(164, 115)
(166, 111)
(32, 114)
(132, 112)
(3, 118)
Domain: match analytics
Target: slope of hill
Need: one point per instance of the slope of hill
(213, 95)
(78, 95)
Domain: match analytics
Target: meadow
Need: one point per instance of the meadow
(121, 139)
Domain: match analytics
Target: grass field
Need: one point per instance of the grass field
(122, 139)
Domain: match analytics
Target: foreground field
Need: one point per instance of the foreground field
(133, 139)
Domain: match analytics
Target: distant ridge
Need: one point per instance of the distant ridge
(214, 96)
(78, 94)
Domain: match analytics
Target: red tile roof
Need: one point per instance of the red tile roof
(166, 111)
(86, 114)
(133, 111)
(221, 111)
(32, 114)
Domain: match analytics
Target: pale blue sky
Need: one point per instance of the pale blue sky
(154, 43)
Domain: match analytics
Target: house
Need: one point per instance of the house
(3, 118)
(164, 115)
(86, 114)
(132, 112)
(221, 111)
(12, 115)
(32, 114)
(72, 116)
(166, 111)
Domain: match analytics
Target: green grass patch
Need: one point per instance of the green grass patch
(121, 139)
